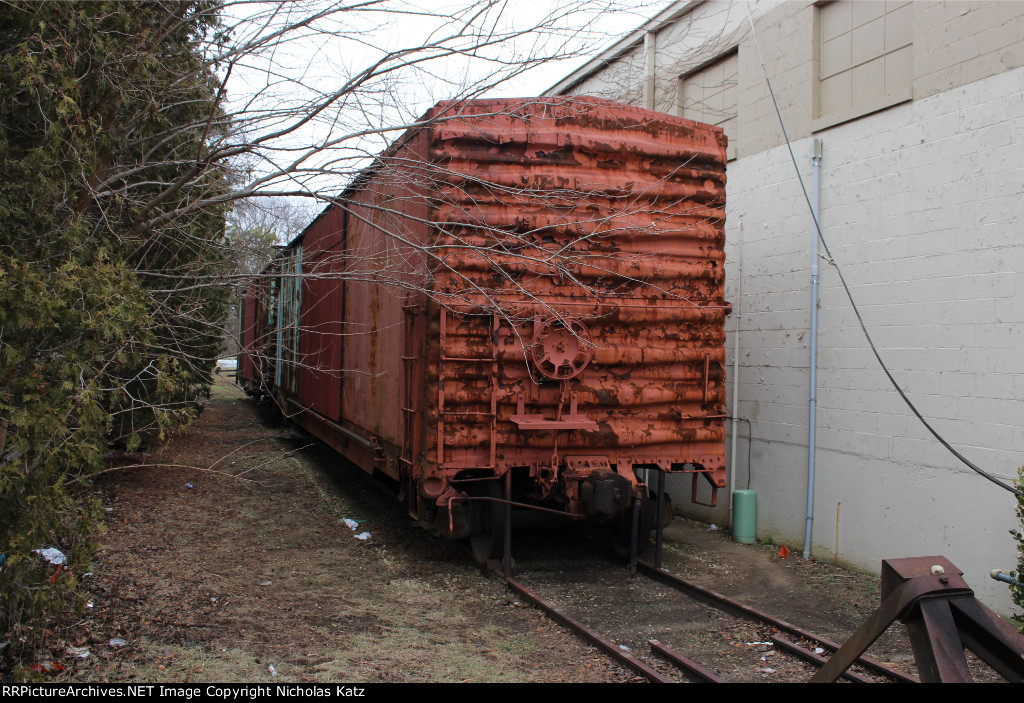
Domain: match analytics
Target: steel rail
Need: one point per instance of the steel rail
(692, 669)
(595, 638)
(814, 658)
(726, 604)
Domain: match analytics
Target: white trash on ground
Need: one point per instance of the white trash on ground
(54, 556)
(363, 535)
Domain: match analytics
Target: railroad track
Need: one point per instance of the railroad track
(662, 662)
(738, 609)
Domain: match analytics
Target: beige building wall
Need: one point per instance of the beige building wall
(922, 200)
(953, 43)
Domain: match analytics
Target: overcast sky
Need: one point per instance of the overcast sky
(454, 49)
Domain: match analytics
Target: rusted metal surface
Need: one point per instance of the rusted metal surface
(633, 201)
(323, 264)
(692, 669)
(515, 285)
(288, 314)
(738, 609)
(942, 616)
(258, 336)
(595, 638)
(781, 643)
(990, 637)
(588, 314)
(247, 334)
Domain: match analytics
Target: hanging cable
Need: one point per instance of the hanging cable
(750, 439)
(874, 350)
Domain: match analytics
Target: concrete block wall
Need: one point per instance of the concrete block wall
(921, 206)
(961, 42)
(697, 38)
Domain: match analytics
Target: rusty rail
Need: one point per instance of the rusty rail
(728, 605)
(692, 669)
(813, 658)
(595, 638)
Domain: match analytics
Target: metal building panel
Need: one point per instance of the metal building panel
(386, 224)
(323, 269)
(288, 354)
(247, 332)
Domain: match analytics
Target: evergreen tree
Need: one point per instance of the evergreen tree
(109, 114)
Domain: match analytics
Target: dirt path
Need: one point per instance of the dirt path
(211, 578)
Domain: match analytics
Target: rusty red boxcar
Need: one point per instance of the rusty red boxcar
(526, 286)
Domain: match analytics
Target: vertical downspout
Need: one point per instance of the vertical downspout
(736, 366)
(650, 67)
(813, 400)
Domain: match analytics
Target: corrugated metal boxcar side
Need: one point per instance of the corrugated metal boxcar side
(246, 372)
(257, 335)
(534, 286)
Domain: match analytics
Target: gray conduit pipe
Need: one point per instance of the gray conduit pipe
(736, 366)
(813, 400)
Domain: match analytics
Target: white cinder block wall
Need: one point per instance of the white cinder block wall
(922, 204)
(922, 208)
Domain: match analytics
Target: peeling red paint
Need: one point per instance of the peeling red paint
(641, 269)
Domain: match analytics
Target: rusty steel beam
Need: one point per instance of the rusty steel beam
(930, 596)
(595, 638)
(892, 607)
(814, 658)
(990, 637)
(936, 643)
(634, 535)
(515, 504)
(733, 607)
(658, 538)
(692, 669)
(506, 525)
(868, 663)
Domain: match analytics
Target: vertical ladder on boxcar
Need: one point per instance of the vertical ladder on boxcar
(457, 361)
(412, 385)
